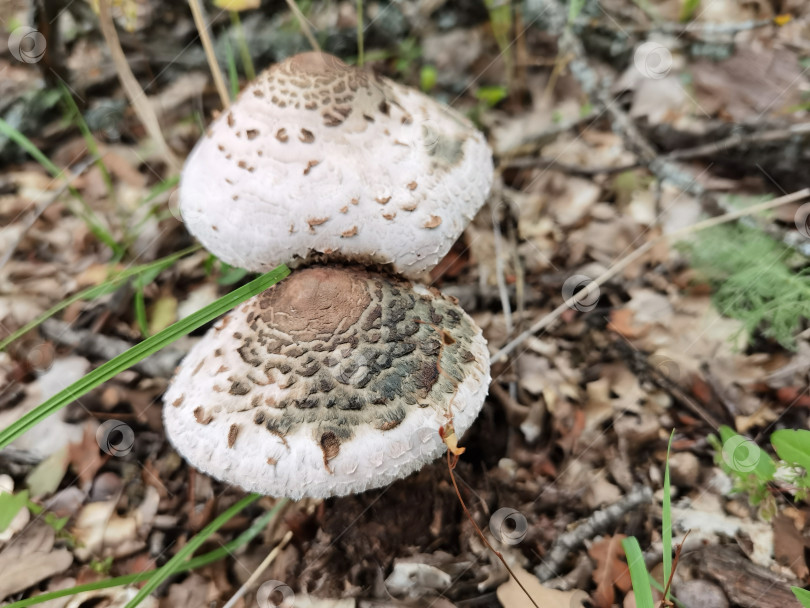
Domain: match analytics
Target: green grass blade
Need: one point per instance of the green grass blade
(96, 291)
(666, 517)
(574, 9)
(361, 32)
(803, 595)
(242, 45)
(160, 188)
(196, 562)
(638, 573)
(139, 352)
(88, 215)
(140, 311)
(233, 75)
(92, 145)
(176, 562)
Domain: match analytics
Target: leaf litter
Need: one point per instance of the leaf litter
(577, 420)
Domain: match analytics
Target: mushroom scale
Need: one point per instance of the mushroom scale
(317, 159)
(332, 382)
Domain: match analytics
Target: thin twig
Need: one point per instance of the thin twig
(737, 141)
(452, 460)
(619, 266)
(304, 25)
(724, 145)
(90, 344)
(499, 273)
(208, 47)
(578, 170)
(258, 572)
(599, 91)
(696, 28)
(597, 523)
(135, 94)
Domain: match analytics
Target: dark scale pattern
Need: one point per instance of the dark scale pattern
(329, 87)
(381, 355)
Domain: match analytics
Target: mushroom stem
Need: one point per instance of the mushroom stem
(216, 73)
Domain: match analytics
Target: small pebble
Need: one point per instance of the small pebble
(701, 594)
(684, 467)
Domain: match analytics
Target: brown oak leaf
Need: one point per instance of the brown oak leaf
(611, 570)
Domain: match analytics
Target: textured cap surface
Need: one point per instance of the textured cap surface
(332, 382)
(317, 157)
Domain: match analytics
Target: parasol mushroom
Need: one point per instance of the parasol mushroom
(332, 382)
(319, 160)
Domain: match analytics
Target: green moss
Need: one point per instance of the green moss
(754, 280)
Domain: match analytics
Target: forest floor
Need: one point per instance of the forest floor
(612, 123)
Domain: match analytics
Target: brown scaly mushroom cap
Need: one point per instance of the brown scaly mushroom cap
(332, 382)
(317, 159)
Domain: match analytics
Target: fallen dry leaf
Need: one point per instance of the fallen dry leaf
(31, 559)
(611, 570)
(85, 456)
(510, 595)
(789, 545)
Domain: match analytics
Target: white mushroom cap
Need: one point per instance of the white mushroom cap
(332, 382)
(317, 157)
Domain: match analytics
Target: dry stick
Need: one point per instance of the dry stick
(258, 572)
(210, 56)
(499, 273)
(134, 92)
(304, 24)
(162, 364)
(452, 460)
(665, 601)
(736, 141)
(614, 270)
(597, 523)
(724, 145)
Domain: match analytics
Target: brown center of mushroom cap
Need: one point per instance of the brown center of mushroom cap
(315, 303)
(314, 62)
(333, 349)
